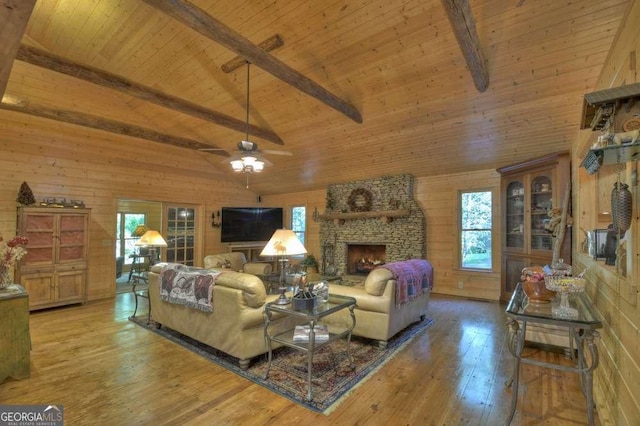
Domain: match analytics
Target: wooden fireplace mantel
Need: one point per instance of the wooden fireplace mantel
(385, 216)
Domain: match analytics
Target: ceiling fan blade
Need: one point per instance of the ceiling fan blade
(211, 149)
(275, 152)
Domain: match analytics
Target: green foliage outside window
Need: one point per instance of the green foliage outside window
(299, 222)
(476, 226)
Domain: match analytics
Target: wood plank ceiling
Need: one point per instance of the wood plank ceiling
(380, 86)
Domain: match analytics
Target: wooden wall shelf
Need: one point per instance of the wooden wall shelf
(384, 215)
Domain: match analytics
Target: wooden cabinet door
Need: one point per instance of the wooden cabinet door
(70, 285)
(71, 237)
(40, 229)
(40, 287)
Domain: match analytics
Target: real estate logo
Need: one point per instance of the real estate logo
(31, 415)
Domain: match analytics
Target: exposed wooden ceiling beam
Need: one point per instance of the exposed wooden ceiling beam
(198, 20)
(107, 125)
(464, 28)
(44, 59)
(268, 45)
(14, 15)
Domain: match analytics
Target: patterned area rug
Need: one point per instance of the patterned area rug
(333, 378)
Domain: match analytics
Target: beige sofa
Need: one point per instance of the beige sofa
(377, 316)
(238, 262)
(236, 325)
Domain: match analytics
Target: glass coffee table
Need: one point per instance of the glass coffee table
(311, 317)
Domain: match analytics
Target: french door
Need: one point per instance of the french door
(182, 223)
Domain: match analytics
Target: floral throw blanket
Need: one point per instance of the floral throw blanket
(413, 278)
(188, 286)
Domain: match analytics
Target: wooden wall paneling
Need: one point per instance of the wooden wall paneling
(616, 298)
(438, 197)
(99, 175)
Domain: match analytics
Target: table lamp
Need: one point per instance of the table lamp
(283, 243)
(153, 240)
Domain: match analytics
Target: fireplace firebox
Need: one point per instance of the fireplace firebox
(362, 258)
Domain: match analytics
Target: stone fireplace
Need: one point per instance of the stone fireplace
(376, 219)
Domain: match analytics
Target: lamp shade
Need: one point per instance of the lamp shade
(283, 242)
(151, 238)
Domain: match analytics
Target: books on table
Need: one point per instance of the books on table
(301, 333)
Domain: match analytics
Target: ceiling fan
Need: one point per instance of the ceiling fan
(248, 158)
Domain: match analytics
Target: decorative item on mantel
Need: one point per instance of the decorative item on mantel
(360, 200)
(10, 253)
(62, 203)
(25, 195)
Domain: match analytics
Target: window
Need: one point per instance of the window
(126, 223)
(181, 223)
(299, 222)
(475, 229)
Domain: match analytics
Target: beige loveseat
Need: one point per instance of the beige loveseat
(238, 262)
(378, 316)
(236, 325)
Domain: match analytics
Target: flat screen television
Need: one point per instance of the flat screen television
(248, 224)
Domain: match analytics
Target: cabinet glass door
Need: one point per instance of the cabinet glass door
(39, 229)
(541, 204)
(515, 215)
(72, 238)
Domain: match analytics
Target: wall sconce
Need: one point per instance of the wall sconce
(215, 219)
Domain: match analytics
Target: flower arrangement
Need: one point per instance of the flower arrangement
(10, 252)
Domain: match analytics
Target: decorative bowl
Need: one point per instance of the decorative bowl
(537, 292)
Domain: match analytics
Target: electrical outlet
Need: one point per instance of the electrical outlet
(460, 284)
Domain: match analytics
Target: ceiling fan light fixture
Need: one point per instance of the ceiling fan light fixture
(248, 160)
(237, 165)
(258, 166)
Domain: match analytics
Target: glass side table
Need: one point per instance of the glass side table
(312, 318)
(582, 331)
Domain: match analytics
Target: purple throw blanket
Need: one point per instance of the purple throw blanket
(413, 278)
(188, 286)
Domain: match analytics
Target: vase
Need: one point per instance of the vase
(5, 278)
(621, 207)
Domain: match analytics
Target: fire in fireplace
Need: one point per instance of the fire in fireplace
(362, 258)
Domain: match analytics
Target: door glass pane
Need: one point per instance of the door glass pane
(181, 235)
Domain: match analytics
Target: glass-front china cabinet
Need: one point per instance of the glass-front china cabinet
(529, 191)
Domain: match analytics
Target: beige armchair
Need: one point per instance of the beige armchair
(238, 262)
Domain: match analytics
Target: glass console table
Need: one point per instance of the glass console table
(311, 317)
(582, 332)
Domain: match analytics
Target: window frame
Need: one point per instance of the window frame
(491, 230)
(121, 235)
(301, 234)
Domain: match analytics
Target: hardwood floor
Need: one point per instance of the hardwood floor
(107, 371)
